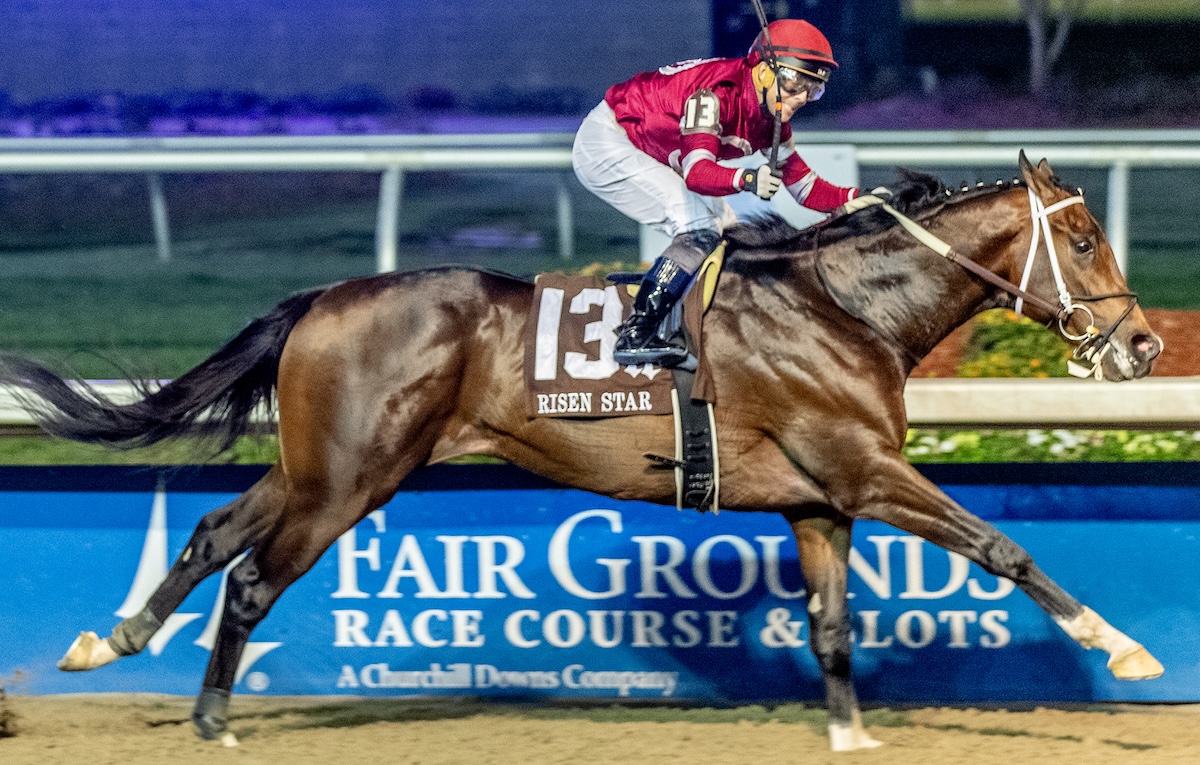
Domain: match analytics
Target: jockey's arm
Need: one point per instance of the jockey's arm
(701, 173)
(808, 188)
(700, 145)
(704, 176)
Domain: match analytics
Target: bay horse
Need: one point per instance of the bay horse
(811, 336)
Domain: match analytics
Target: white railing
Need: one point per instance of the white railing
(1164, 403)
(1120, 151)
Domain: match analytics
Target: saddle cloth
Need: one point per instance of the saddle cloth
(569, 339)
(569, 366)
(570, 372)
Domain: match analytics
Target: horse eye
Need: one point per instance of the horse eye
(1083, 247)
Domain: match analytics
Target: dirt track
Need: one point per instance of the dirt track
(148, 729)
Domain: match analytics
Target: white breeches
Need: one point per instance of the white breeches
(612, 168)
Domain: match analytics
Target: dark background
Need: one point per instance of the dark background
(113, 66)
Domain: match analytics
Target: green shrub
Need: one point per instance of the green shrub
(1005, 345)
(1057, 445)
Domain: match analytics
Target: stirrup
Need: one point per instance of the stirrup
(659, 356)
(654, 356)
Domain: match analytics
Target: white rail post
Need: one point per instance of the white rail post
(566, 218)
(158, 211)
(1117, 223)
(387, 221)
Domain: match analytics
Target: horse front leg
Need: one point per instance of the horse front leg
(219, 537)
(823, 542)
(900, 496)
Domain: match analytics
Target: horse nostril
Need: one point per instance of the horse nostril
(1147, 347)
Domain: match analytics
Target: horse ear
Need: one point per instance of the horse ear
(1036, 178)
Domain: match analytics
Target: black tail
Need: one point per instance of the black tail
(216, 398)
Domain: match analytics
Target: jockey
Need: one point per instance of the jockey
(650, 150)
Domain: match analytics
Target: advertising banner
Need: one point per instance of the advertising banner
(483, 580)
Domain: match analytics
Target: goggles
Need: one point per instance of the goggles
(793, 83)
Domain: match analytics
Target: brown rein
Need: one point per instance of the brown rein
(1059, 312)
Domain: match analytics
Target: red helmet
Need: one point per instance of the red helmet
(796, 45)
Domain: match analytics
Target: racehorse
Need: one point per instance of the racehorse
(810, 338)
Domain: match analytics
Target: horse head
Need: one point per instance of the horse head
(1067, 256)
(1030, 245)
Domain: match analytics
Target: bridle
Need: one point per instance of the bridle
(1092, 345)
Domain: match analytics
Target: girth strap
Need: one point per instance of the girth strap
(696, 463)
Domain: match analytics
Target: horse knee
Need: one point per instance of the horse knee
(1000, 556)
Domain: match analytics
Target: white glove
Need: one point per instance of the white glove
(761, 182)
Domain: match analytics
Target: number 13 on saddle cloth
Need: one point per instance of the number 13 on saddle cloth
(569, 339)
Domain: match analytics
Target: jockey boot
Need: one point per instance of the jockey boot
(638, 341)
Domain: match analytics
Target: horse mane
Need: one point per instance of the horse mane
(914, 194)
(769, 237)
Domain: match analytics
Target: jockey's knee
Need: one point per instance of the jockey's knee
(688, 249)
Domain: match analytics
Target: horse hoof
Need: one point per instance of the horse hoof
(87, 652)
(1135, 665)
(212, 728)
(224, 738)
(848, 738)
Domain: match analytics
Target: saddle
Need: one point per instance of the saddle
(570, 372)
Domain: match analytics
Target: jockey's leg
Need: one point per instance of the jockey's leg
(655, 195)
(638, 340)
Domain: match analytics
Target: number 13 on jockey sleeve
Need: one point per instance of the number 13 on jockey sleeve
(700, 113)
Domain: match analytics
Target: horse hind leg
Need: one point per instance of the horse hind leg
(302, 535)
(220, 536)
(327, 492)
(823, 542)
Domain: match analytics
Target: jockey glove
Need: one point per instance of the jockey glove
(761, 182)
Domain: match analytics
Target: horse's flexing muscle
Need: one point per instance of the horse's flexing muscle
(811, 336)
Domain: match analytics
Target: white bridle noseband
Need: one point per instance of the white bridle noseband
(1039, 213)
(1092, 346)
